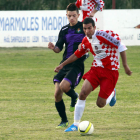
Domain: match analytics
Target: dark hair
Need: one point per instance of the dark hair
(72, 7)
(89, 20)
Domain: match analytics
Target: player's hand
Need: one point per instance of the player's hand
(51, 46)
(57, 69)
(127, 70)
(79, 47)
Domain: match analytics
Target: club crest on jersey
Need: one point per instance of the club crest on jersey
(78, 30)
(96, 48)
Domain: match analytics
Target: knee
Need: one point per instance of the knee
(64, 88)
(100, 104)
(82, 95)
(58, 96)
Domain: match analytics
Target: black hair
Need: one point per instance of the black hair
(89, 20)
(72, 7)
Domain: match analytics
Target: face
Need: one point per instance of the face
(89, 29)
(72, 17)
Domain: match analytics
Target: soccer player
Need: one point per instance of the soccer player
(106, 48)
(88, 7)
(69, 77)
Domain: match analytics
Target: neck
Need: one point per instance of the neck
(73, 24)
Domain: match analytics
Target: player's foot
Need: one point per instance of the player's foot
(63, 124)
(72, 128)
(113, 100)
(73, 102)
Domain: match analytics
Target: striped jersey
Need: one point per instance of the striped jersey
(105, 47)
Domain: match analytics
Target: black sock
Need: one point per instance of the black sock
(71, 93)
(61, 110)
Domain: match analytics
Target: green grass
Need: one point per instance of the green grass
(27, 109)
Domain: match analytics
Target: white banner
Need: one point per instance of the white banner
(37, 28)
(30, 28)
(123, 23)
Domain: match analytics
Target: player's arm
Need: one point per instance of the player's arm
(71, 59)
(93, 13)
(53, 47)
(100, 6)
(77, 54)
(124, 62)
(110, 38)
(59, 44)
(122, 49)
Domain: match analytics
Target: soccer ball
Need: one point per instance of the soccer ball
(85, 128)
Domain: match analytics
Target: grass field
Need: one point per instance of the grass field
(27, 110)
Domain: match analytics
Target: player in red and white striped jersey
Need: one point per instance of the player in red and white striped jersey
(105, 47)
(88, 7)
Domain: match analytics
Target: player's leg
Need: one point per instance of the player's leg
(66, 87)
(101, 102)
(90, 83)
(71, 80)
(59, 104)
(80, 105)
(107, 84)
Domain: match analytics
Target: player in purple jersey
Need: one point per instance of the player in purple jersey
(69, 77)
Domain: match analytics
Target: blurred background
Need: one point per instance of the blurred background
(61, 4)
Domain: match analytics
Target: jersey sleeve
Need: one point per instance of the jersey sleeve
(100, 5)
(108, 37)
(77, 3)
(122, 47)
(60, 41)
(84, 48)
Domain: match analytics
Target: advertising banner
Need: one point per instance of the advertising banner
(30, 28)
(37, 28)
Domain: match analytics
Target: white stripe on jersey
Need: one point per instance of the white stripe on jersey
(64, 28)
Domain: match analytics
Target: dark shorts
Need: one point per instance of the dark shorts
(72, 74)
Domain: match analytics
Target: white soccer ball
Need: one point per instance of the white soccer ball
(85, 128)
